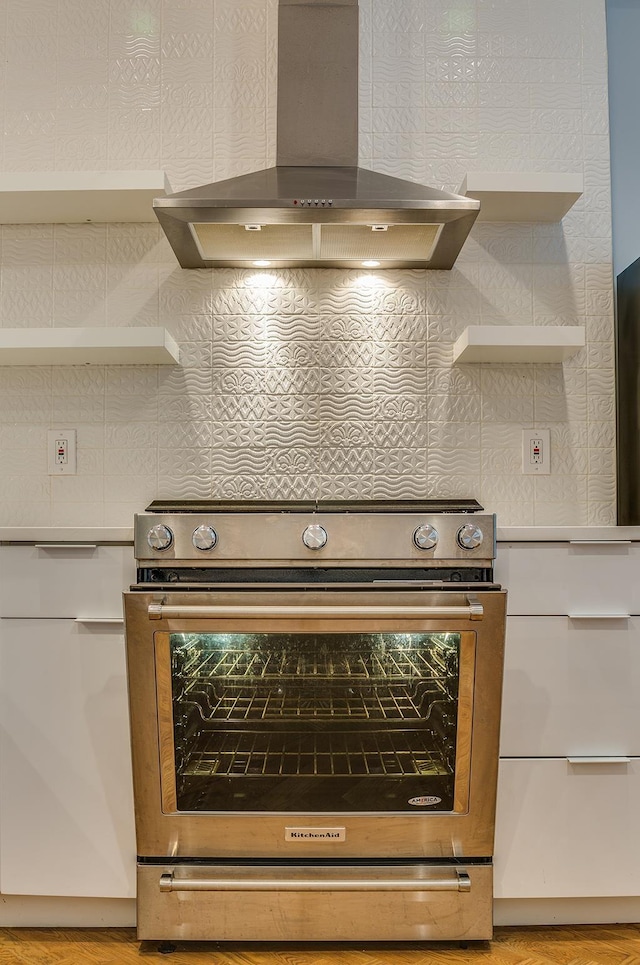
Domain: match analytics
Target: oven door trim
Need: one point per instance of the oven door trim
(381, 834)
(466, 679)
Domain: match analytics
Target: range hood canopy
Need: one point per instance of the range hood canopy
(316, 207)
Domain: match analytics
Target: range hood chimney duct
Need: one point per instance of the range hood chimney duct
(317, 119)
(316, 207)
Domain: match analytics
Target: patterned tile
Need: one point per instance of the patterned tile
(78, 380)
(78, 489)
(131, 435)
(454, 436)
(69, 409)
(292, 461)
(501, 461)
(461, 485)
(402, 487)
(309, 382)
(133, 462)
(454, 462)
(345, 462)
(22, 461)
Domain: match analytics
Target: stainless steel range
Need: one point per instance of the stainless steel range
(315, 695)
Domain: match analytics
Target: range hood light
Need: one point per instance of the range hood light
(253, 227)
(370, 264)
(261, 263)
(379, 227)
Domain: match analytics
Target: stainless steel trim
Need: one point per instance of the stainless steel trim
(600, 542)
(160, 611)
(319, 916)
(66, 546)
(357, 752)
(599, 760)
(273, 539)
(460, 881)
(317, 100)
(466, 831)
(98, 620)
(599, 616)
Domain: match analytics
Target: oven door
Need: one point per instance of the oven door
(297, 723)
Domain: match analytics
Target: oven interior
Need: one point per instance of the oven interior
(316, 721)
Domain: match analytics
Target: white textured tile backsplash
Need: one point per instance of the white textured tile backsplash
(308, 383)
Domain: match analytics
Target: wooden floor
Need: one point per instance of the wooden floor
(564, 945)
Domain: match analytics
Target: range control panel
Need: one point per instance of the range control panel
(331, 537)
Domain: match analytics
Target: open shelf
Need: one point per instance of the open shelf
(73, 197)
(518, 343)
(522, 196)
(85, 346)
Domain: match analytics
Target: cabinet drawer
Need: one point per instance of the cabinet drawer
(571, 687)
(561, 578)
(64, 581)
(567, 830)
(66, 798)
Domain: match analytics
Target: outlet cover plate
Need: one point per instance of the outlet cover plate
(536, 452)
(61, 452)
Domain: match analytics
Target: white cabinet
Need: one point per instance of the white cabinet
(571, 687)
(64, 580)
(66, 802)
(567, 830)
(66, 799)
(578, 578)
(569, 780)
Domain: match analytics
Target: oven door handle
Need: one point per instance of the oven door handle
(459, 881)
(473, 611)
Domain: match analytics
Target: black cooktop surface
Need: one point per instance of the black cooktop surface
(457, 505)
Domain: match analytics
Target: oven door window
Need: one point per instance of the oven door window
(318, 722)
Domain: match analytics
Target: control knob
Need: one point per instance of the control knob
(160, 537)
(469, 536)
(425, 537)
(315, 537)
(204, 537)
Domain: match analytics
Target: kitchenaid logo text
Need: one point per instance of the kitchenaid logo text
(315, 834)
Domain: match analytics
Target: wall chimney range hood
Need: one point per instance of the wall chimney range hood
(316, 208)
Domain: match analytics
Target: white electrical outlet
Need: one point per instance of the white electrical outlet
(61, 448)
(536, 452)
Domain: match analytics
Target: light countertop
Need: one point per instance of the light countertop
(562, 534)
(66, 534)
(506, 534)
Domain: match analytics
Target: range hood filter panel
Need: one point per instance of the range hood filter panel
(407, 242)
(273, 242)
(329, 244)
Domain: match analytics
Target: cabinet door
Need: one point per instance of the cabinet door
(567, 830)
(557, 578)
(64, 580)
(66, 802)
(571, 687)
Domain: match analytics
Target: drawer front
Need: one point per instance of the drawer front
(199, 904)
(571, 687)
(64, 581)
(66, 797)
(561, 578)
(567, 830)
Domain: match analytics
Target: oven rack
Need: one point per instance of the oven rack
(290, 701)
(330, 754)
(230, 662)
